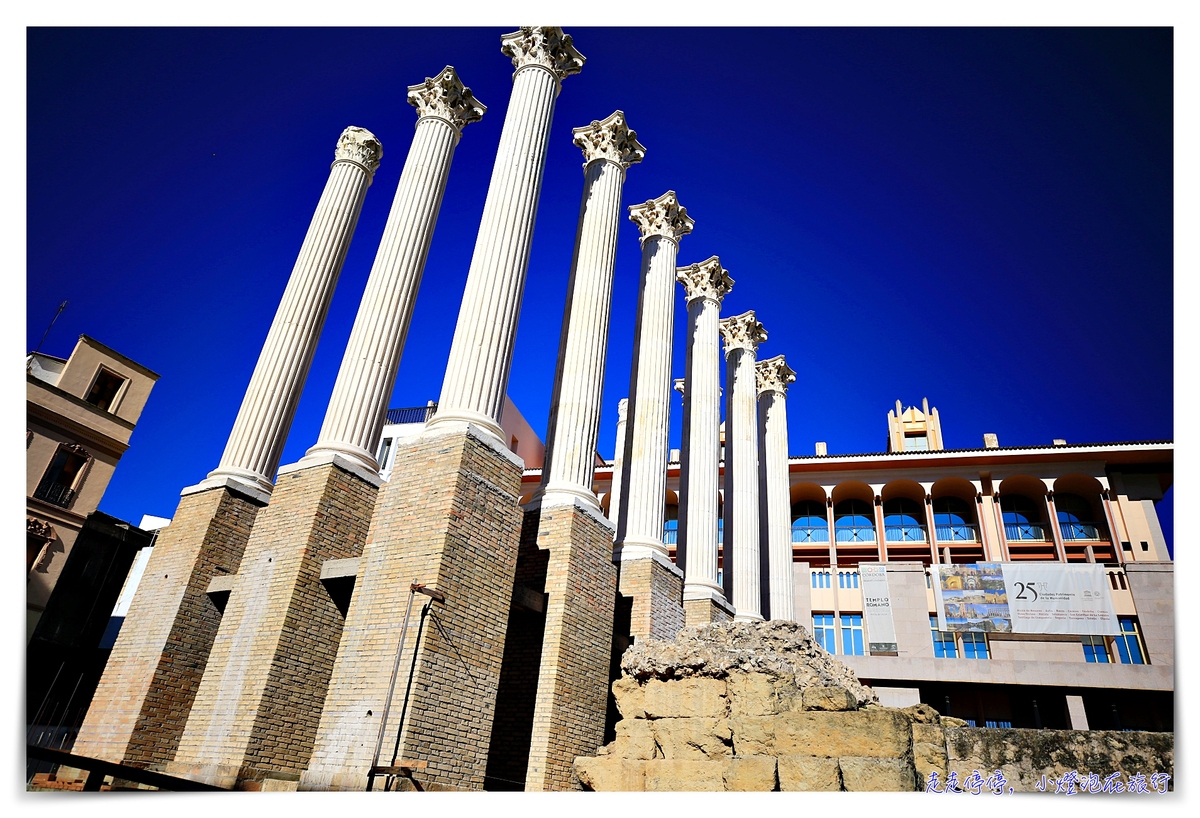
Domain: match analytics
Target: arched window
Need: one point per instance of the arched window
(808, 522)
(902, 521)
(1075, 518)
(1021, 518)
(852, 521)
(953, 519)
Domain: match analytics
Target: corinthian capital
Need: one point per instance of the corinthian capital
(662, 217)
(742, 332)
(445, 97)
(610, 139)
(358, 145)
(546, 46)
(773, 375)
(707, 279)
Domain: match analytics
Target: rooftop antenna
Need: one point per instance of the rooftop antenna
(61, 307)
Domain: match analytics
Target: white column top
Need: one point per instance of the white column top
(609, 140)
(445, 97)
(662, 217)
(742, 332)
(705, 279)
(359, 146)
(773, 375)
(544, 46)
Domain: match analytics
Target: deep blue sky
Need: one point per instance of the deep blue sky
(979, 216)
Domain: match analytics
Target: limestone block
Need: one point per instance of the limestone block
(751, 774)
(929, 750)
(611, 774)
(753, 735)
(861, 774)
(673, 775)
(877, 732)
(809, 774)
(692, 739)
(685, 698)
(634, 739)
(752, 694)
(828, 698)
(630, 698)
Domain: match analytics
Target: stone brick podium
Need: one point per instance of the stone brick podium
(258, 705)
(140, 707)
(448, 518)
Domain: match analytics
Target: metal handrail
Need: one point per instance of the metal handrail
(856, 534)
(411, 414)
(54, 493)
(1035, 532)
(956, 532)
(810, 534)
(904, 533)
(1092, 532)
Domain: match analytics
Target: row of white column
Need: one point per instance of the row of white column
(481, 352)
(757, 510)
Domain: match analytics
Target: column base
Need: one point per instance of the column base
(144, 697)
(657, 592)
(448, 519)
(706, 609)
(260, 700)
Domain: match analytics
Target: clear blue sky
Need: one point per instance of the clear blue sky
(979, 216)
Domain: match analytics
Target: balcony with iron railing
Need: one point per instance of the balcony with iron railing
(55, 493)
(855, 533)
(957, 532)
(904, 533)
(1029, 532)
(413, 414)
(1091, 532)
(810, 534)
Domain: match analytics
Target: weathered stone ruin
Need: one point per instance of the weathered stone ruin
(759, 706)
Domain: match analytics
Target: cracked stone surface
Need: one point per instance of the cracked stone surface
(776, 648)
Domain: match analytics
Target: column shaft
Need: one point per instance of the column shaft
(615, 500)
(700, 471)
(741, 486)
(645, 466)
(359, 403)
(775, 506)
(570, 460)
(252, 452)
(481, 352)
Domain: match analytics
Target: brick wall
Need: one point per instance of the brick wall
(573, 683)
(448, 518)
(261, 696)
(144, 697)
(657, 593)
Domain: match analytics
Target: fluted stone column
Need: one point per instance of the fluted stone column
(609, 148)
(705, 285)
(259, 702)
(448, 517)
(358, 406)
(481, 352)
(615, 500)
(742, 333)
(647, 573)
(774, 489)
(144, 697)
(256, 442)
(579, 578)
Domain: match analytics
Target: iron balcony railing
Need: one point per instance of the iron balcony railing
(904, 533)
(55, 493)
(855, 534)
(414, 414)
(956, 532)
(804, 534)
(1037, 532)
(1084, 531)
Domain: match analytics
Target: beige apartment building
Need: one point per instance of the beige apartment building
(81, 412)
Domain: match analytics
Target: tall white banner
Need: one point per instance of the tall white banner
(877, 607)
(1024, 598)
